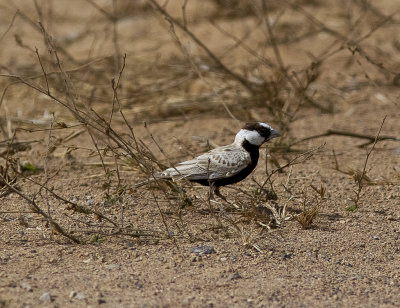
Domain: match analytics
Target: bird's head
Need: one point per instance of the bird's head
(256, 133)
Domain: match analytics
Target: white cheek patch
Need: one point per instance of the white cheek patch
(254, 137)
(251, 136)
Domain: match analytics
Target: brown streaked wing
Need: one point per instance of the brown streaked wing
(216, 164)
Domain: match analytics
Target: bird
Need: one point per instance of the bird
(223, 165)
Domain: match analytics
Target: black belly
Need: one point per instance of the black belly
(254, 155)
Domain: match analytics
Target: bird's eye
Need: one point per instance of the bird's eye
(265, 132)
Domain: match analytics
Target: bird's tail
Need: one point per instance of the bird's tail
(154, 178)
(169, 174)
(148, 181)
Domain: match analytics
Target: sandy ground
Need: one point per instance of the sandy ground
(344, 259)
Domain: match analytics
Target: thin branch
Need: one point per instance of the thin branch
(376, 139)
(9, 26)
(360, 179)
(44, 72)
(73, 206)
(184, 17)
(101, 10)
(115, 37)
(295, 161)
(195, 67)
(39, 211)
(240, 42)
(247, 84)
(333, 132)
(272, 38)
(45, 165)
(39, 28)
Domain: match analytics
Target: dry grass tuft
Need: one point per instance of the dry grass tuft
(311, 209)
(307, 216)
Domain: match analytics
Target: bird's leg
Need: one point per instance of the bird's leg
(214, 190)
(218, 193)
(211, 192)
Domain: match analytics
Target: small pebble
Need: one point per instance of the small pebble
(235, 276)
(72, 294)
(26, 286)
(287, 256)
(45, 297)
(80, 296)
(202, 250)
(113, 266)
(106, 203)
(89, 200)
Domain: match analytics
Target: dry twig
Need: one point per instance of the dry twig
(332, 132)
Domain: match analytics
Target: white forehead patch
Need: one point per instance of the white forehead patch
(265, 125)
(251, 136)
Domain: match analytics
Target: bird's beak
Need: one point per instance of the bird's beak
(274, 133)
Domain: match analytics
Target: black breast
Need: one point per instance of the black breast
(254, 155)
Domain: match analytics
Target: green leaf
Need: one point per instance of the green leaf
(352, 208)
(27, 166)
